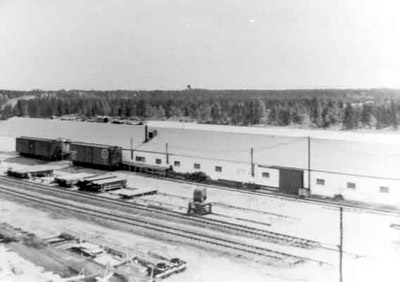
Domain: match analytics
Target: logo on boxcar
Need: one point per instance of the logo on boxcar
(104, 153)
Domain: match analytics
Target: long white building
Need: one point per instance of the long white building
(360, 167)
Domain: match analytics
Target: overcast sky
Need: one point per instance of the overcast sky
(168, 44)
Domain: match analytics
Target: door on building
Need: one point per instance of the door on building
(290, 180)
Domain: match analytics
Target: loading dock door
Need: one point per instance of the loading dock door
(290, 180)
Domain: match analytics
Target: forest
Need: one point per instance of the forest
(320, 108)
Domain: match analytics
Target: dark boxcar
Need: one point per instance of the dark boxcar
(96, 155)
(41, 148)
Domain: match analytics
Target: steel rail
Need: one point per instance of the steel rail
(188, 234)
(251, 232)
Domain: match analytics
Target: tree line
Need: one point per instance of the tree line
(348, 109)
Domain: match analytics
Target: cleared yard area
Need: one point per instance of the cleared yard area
(203, 265)
(372, 246)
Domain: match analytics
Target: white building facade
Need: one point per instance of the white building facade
(375, 190)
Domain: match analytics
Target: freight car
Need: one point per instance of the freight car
(85, 183)
(96, 155)
(107, 184)
(101, 183)
(28, 172)
(42, 148)
(70, 180)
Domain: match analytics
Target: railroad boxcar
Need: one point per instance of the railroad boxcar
(41, 148)
(96, 155)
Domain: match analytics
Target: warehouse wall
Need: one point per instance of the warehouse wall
(149, 158)
(366, 189)
(373, 190)
(271, 181)
(235, 171)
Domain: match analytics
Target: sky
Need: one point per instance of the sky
(214, 44)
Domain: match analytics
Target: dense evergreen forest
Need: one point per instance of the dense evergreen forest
(346, 109)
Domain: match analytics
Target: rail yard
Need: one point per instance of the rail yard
(247, 225)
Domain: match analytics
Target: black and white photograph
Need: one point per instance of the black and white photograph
(199, 140)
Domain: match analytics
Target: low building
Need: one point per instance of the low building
(357, 166)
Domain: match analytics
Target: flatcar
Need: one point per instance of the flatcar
(108, 184)
(85, 183)
(27, 172)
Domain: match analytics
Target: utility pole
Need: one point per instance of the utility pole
(70, 157)
(166, 152)
(252, 161)
(341, 246)
(131, 148)
(309, 163)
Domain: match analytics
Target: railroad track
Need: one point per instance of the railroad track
(189, 235)
(231, 206)
(286, 197)
(214, 224)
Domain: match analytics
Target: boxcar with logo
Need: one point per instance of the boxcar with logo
(96, 155)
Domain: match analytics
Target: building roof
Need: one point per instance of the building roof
(338, 156)
(369, 136)
(91, 132)
(376, 155)
(36, 138)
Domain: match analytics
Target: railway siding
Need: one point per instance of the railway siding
(205, 240)
(146, 212)
(213, 224)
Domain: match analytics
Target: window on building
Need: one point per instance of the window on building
(218, 168)
(351, 185)
(158, 161)
(384, 189)
(140, 159)
(177, 163)
(196, 166)
(320, 181)
(265, 174)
